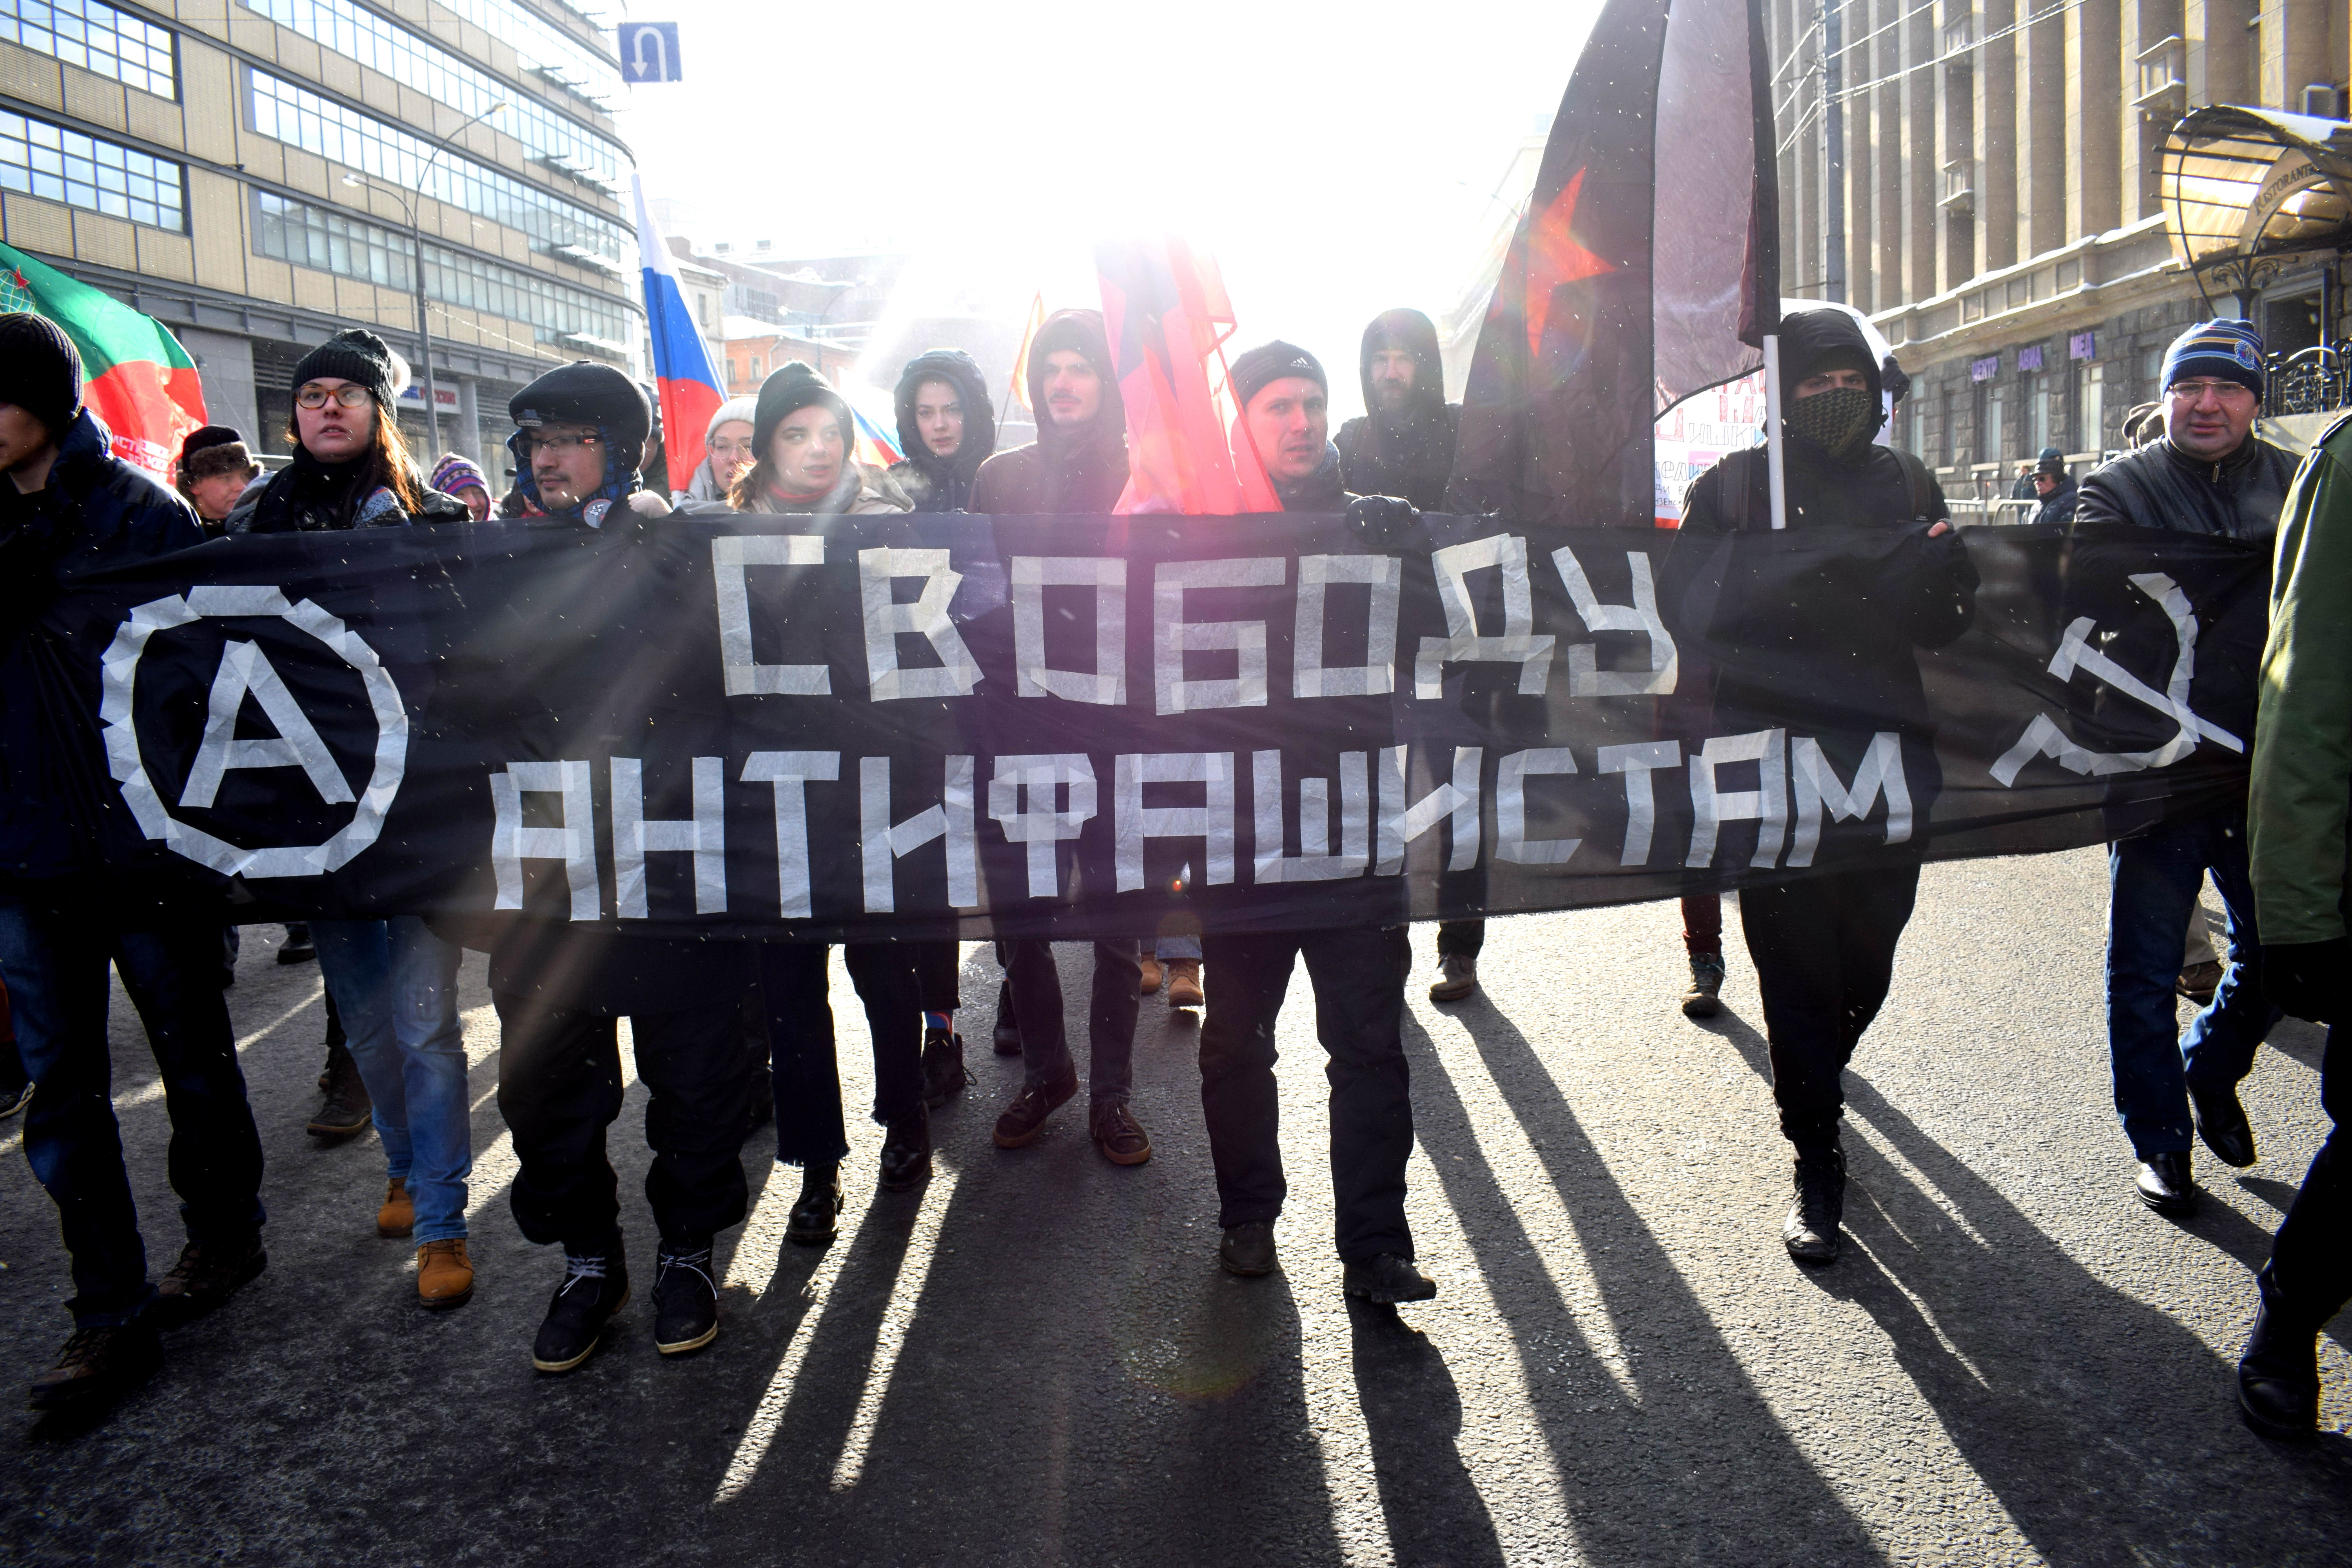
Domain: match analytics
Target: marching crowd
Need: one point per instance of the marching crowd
(727, 1033)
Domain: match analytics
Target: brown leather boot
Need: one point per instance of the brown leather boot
(398, 1215)
(445, 1275)
(1184, 983)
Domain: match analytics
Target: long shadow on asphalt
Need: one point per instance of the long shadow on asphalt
(1413, 1413)
(1693, 1468)
(2105, 1428)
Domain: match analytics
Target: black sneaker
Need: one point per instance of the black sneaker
(1385, 1279)
(907, 1151)
(595, 1286)
(99, 1364)
(944, 1074)
(816, 1213)
(1247, 1249)
(207, 1274)
(686, 1298)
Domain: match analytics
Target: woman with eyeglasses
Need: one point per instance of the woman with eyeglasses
(393, 983)
(725, 452)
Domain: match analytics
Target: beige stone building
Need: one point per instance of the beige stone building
(245, 171)
(1986, 179)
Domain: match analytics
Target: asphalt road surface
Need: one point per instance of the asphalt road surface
(1035, 1360)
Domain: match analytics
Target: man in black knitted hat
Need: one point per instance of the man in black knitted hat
(68, 505)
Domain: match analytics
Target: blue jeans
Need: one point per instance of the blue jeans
(54, 952)
(2153, 882)
(1168, 947)
(395, 987)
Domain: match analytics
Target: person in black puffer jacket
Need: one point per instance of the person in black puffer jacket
(947, 427)
(350, 468)
(67, 507)
(1834, 662)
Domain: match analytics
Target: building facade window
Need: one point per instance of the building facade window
(2091, 404)
(41, 160)
(96, 38)
(2045, 418)
(545, 48)
(297, 116)
(382, 46)
(319, 237)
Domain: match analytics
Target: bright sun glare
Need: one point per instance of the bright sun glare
(1337, 160)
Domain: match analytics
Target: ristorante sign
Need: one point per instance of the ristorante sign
(906, 725)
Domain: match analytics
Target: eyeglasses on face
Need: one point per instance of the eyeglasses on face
(730, 449)
(351, 394)
(2195, 391)
(566, 443)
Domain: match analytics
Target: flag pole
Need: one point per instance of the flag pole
(1777, 456)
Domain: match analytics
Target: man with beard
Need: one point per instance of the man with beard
(1358, 981)
(1077, 464)
(1835, 662)
(559, 990)
(1403, 445)
(2208, 474)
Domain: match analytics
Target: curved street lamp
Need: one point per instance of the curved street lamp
(408, 206)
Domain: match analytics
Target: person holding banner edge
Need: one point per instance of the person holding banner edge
(2208, 474)
(68, 505)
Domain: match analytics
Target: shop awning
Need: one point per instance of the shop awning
(2246, 189)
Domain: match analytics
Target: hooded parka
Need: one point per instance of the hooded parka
(1407, 451)
(1077, 468)
(932, 482)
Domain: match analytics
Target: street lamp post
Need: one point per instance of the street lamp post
(408, 205)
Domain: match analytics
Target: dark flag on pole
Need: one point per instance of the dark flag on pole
(1645, 269)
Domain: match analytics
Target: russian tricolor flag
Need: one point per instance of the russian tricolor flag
(687, 381)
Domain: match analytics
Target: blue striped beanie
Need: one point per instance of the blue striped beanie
(2224, 351)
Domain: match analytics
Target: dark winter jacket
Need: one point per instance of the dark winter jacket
(944, 484)
(1408, 452)
(2159, 486)
(1821, 643)
(1318, 491)
(1078, 470)
(2058, 506)
(96, 512)
(308, 495)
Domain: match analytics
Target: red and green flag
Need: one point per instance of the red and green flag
(136, 378)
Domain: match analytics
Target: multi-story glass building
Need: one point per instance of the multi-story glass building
(245, 171)
(1988, 180)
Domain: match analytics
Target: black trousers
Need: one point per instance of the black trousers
(1112, 1002)
(937, 966)
(2309, 1276)
(1824, 953)
(560, 1089)
(1358, 1016)
(809, 1124)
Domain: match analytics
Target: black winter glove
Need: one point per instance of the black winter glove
(1947, 553)
(1382, 521)
(2308, 978)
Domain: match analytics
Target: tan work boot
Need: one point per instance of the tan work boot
(1457, 976)
(1151, 975)
(1184, 983)
(445, 1275)
(398, 1215)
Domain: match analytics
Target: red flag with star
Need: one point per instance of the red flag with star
(1645, 268)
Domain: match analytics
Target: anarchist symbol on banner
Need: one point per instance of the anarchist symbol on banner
(246, 671)
(2044, 738)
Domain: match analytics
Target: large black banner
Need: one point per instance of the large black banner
(1018, 726)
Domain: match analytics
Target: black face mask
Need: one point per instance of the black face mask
(1836, 419)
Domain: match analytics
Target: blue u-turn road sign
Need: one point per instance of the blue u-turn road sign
(648, 51)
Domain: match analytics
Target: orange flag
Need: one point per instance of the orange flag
(1019, 392)
(1165, 308)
